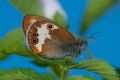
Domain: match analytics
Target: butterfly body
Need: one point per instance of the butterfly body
(47, 39)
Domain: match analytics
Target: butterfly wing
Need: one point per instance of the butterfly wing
(29, 20)
(52, 43)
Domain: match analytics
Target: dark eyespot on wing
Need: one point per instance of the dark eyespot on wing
(49, 25)
(35, 34)
(27, 21)
(34, 41)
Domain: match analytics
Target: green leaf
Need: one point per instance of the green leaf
(81, 78)
(45, 62)
(28, 6)
(118, 71)
(13, 42)
(24, 74)
(11, 37)
(42, 61)
(94, 10)
(20, 48)
(3, 55)
(98, 66)
(9, 40)
(60, 20)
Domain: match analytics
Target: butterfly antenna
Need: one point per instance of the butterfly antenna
(91, 35)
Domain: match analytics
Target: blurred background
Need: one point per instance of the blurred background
(103, 17)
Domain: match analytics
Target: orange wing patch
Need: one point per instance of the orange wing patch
(29, 20)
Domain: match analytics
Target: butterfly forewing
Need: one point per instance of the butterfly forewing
(30, 19)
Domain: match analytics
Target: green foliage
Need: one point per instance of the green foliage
(3, 55)
(99, 67)
(28, 6)
(81, 78)
(95, 9)
(59, 66)
(118, 71)
(59, 19)
(10, 39)
(29, 74)
(24, 74)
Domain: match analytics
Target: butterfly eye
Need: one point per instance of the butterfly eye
(50, 26)
(35, 41)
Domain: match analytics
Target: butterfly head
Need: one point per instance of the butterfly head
(82, 44)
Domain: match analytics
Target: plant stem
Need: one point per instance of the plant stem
(63, 73)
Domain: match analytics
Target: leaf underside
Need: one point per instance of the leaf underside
(98, 66)
(24, 74)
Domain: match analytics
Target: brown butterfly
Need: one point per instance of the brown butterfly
(47, 39)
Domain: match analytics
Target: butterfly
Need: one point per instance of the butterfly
(47, 39)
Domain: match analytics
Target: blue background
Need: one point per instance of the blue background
(106, 46)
